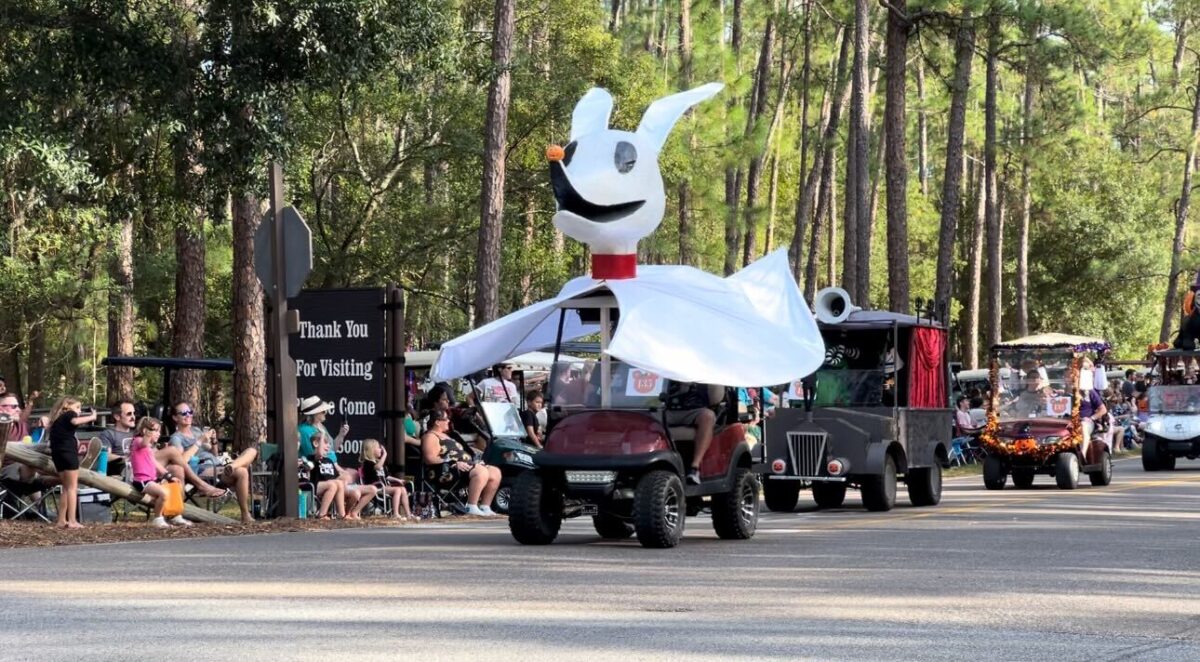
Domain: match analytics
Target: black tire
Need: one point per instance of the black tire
(1066, 471)
(1150, 455)
(829, 495)
(781, 495)
(612, 527)
(1022, 478)
(502, 502)
(735, 513)
(994, 473)
(879, 491)
(925, 486)
(1167, 462)
(1103, 476)
(659, 510)
(535, 511)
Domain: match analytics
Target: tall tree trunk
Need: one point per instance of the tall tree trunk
(804, 207)
(922, 130)
(857, 182)
(37, 357)
(1170, 314)
(1181, 36)
(758, 106)
(191, 306)
(952, 180)
(249, 337)
(528, 268)
(614, 20)
(975, 271)
(487, 257)
(119, 385)
(895, 126)
(825, 178)
(686, 252)
(733, 174)
(831, 267)
(995, 265)
(772, 199)
(1022, 284)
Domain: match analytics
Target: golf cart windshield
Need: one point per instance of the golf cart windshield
(503, 419)
(851, 388)
(577, 384)
(1177, 399)
(1034, 384)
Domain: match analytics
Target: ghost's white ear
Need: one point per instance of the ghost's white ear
(662, 115)
(591, 113)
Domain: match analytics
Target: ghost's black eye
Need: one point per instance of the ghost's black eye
(568, 152)
(625, 156)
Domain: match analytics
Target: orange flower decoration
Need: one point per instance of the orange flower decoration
(555, 153)
(1025, 445)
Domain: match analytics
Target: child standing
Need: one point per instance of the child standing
(67, 416)
(371, 465)
(147, 470)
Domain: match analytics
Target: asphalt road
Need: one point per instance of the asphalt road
(1095, 574)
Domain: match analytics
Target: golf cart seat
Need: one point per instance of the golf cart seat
(716, 399)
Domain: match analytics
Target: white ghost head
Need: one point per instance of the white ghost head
(606, 182)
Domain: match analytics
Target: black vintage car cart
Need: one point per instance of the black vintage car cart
(876, 412)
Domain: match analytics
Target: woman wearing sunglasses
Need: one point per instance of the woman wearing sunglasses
(199, 449)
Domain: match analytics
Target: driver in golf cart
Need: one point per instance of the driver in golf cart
(689, 404)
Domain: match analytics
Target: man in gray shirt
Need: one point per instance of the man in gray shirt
(116, 439)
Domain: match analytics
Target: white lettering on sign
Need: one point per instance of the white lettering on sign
(305, 368)
(320, 331)
(356, 329)
(350, 447)
(347, 368)
(356, 407)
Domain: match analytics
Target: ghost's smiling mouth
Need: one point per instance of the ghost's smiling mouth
(570, 200)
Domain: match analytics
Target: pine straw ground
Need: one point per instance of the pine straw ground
(39, 534)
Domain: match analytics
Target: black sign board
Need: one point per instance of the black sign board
(338, 354)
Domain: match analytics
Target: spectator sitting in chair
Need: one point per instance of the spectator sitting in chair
(189, 450)
(148, 473)
(355, 495)
(688, 406)
(314, 412)
(116, 439)
(230, 474)
(18, 478)
(448, 460)
(328, 490)
(372, 466)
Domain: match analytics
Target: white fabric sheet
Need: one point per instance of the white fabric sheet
(750, 329)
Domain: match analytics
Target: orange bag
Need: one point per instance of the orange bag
(174, 504)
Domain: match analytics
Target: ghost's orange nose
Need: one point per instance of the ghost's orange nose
(554, 153)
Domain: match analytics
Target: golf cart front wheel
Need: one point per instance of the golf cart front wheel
(879, 491)
(1066, 471)
(735, 513)
(502, 502)
(535, 512)
(994, 473)
(781, 495)
(659, 509)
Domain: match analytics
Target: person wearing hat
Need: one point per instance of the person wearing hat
(314, 411)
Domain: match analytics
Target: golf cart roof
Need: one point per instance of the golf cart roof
(225, 365)
(529, 361)
(1055, 340)
(880, 319)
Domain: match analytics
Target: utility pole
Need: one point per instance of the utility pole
(282, 396)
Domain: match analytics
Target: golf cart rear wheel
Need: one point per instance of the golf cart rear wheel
(735, 513)
(659, 509)
(1023, 478)
(535, 512)
(1066, 471)
(781, 495)
(1154, 457)
(1103, 476)
(612, 527)
(879, 491)
(925, 486)
(829, 495)
(994, 473)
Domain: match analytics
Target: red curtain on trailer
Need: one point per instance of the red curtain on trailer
(927, 374)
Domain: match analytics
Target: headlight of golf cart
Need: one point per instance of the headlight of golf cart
(837, 466)
(519, 458)
(1052, 439)
(1154, 427)
(591, 477)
